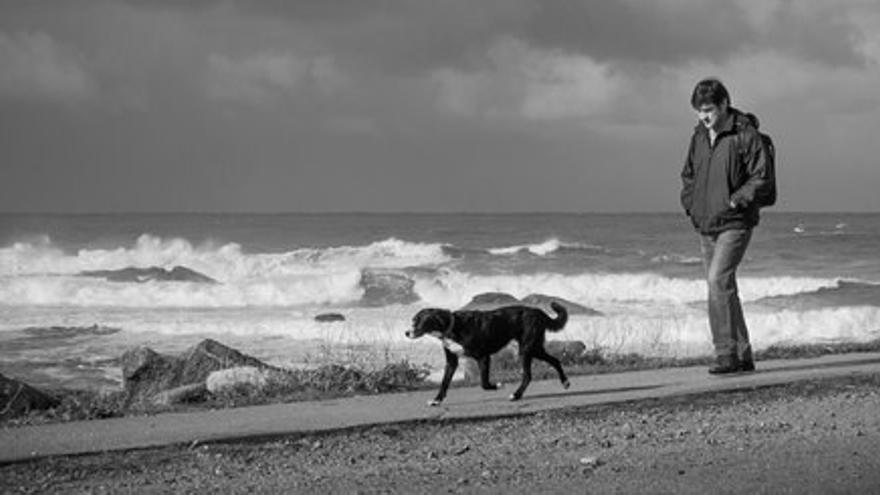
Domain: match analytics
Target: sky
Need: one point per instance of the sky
(422, 105)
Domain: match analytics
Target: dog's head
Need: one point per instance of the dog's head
(430, 321)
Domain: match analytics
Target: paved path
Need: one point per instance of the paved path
(23, 443)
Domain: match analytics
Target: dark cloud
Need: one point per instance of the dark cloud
(406, 35)
(620, 30)
(825, 36)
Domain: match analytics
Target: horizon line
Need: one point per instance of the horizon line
(398, 212)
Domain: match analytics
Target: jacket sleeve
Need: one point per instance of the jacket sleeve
(757, 171)
(687, 180)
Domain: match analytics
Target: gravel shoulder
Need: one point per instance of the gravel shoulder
(814, 436)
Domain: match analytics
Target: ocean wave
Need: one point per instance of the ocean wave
(372, 286)
(223, 263)
(549, 246)
(843, 293)
(676, 259)
(452, 288)
(387, 272)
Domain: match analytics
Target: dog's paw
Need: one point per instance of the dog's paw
(515, 397)
(434, 403)
(499, 385)
(566, 384)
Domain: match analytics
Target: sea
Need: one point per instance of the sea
(262, 279)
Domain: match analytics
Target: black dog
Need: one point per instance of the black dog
(479, 334)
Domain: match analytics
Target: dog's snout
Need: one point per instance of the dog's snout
(410, 334)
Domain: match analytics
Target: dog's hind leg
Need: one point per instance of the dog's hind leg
(552, 361)
(451, 365)
(526, 376)
(484, 363)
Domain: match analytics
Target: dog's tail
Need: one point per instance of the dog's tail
(554, 325)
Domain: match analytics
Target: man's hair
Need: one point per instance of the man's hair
(709, 92)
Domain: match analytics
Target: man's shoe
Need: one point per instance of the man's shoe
(725, 366)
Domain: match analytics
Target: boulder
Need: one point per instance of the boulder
(147, 373)
(195, 392)
(567, 351)
(543, 301)
(154, 273)
(210, 355)
(384, 287)
(232, 378)
(329, 317)
(490, 300)
(18, 398)
(493, 300)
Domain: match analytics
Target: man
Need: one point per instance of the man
(726, 169)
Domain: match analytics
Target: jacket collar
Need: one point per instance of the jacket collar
(733, 120)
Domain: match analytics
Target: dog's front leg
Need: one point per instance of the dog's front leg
(451, 365)
(484, 363)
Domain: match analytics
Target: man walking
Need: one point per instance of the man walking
(726, 174)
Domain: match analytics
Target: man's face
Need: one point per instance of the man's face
(710, 114)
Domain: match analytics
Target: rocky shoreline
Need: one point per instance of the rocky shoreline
(815, 436)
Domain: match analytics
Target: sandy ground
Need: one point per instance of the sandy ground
(820, 436)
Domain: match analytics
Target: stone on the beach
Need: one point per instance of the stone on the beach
(543, 301)
(153, 273)
(490, 300)
(181, 395)
(565, 350)
(146, 373)
(18, 398)
(209, 355)
(384, 287)
(234, 378)
(329, 317)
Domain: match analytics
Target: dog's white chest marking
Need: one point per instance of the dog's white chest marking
(453, 347)
(450, 345)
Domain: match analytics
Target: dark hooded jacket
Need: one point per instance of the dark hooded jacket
(733, 171)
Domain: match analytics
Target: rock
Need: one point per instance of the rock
(187, 393)
(18, 398)
(146, 373)
(329, 317)
(567, 351)
(154, 273)
(490, 300)
(210, 355)
(232, 378)
(384, 287)
(543, 301)
(493, 300)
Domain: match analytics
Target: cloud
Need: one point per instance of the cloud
(521, 82)
(406, 37)
(34, 65)
(266, 77)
